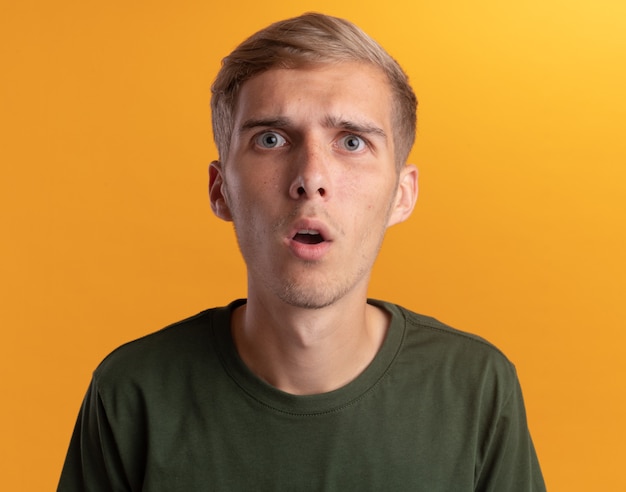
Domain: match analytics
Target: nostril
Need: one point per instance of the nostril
(302, 191)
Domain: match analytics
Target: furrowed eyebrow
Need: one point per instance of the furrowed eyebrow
(328, 122)
(264, 123)
(333, 122)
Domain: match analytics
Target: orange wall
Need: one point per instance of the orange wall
(519, 234)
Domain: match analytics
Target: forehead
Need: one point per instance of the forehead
(348, 89)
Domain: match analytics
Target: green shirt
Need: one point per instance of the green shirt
(177, 410)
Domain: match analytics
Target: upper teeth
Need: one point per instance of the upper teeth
(308, 231)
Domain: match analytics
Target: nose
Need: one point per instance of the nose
(311, 178)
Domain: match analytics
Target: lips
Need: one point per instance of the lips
(309, 239)
(308, 236)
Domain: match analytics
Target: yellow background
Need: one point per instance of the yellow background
(519, 234)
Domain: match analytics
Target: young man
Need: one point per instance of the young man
(307, 384)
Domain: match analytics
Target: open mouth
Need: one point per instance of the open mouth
(307, 236)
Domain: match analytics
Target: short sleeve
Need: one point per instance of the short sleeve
(92, 463)
(509, 459)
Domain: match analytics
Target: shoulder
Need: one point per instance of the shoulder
(457, 354)
(427, 327)
(173, 349)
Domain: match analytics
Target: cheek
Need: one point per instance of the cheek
(251, 201)
(371, 198)
(255, 180)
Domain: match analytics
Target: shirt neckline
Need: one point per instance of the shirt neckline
(333, 401)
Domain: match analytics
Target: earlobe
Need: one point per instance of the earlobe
(406, 195)
(219, 202)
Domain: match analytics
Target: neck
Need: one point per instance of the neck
(308, 351)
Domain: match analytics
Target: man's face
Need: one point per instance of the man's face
(310, 181)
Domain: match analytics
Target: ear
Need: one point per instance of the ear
(406, 195)
(217, 194)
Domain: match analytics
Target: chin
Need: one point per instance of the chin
(306, 300)
(309, 297)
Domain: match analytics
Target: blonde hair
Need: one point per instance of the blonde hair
(309, 39)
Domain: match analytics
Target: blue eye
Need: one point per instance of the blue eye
(353, 143)
(270, 140)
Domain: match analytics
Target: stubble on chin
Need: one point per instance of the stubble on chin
(307, 289)
(313, 292)
(306, 298)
